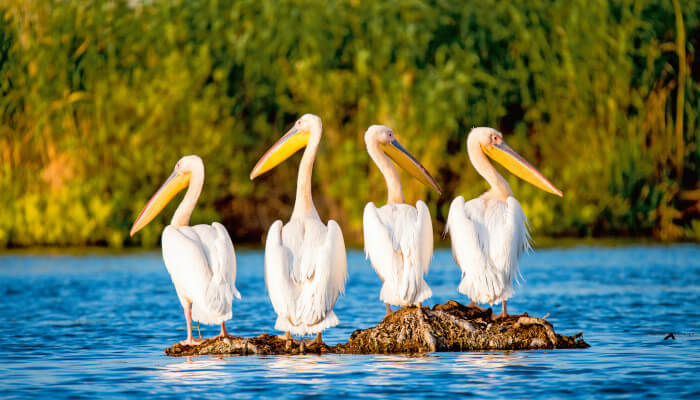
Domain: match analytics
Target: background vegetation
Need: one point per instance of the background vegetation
(99, 99)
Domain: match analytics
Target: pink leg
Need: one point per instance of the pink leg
(472, 304)
(504, 312)
(190, 340)
(388, 309)
(287, 336)
(224, 332)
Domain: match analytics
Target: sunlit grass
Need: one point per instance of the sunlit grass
(99, 99)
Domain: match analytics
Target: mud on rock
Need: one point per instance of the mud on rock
(447, 327)
(455, 327)
(263, 344)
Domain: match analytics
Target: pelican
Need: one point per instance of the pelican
(398, 237)
(490, 233)
(305, 263)
(200, 259)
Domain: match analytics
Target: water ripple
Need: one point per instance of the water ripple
(96, 326)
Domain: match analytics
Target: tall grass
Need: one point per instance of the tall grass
(99, 99)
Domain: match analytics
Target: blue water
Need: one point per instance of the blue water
(97, 325)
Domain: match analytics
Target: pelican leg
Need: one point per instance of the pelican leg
(473, 304)
(388, 310)
(224, 332)
(188, 317)
(286, 336)
(317, 340)
(504, 312)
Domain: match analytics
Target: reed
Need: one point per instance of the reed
(98, 99)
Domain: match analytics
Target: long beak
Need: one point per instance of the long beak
(174, 184)
(504, 155)
(406, 161)
(290, 143)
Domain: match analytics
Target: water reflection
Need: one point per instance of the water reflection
(195, 371)
(486, 361)
(306, 364)
(305, 369)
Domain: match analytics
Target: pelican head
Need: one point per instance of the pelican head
(491, 143)
(178, 180)
(384, 137)
(306, 127)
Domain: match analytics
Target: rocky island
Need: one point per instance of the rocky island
(446, 327)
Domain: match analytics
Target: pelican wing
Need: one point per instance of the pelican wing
(379, 247)
(509, 237)
(470, 243)
(425, 235)
(278, 261)
(327, 281)
(217, 247)
(340, 261)
(225, 269)
(220, 261)
(293, 239)
(187, 263)
(399, 243)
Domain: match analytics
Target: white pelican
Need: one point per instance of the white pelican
(490, 233)
(398, 237)
(200, 258)
(305, 263)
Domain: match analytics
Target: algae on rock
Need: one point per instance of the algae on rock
(447, 327)
(455, 327)
(263, 344)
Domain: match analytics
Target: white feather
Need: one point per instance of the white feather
(488, 236)
(305, 271)
(399, 243)
(278, 275)
(425, 234)
(202, 265)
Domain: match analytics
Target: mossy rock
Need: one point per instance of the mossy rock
(447, 327)
(263, 344)
(455, 327)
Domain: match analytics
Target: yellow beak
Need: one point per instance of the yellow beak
(290, 143)
(172, 186)
(405, 160)
(505, 156)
